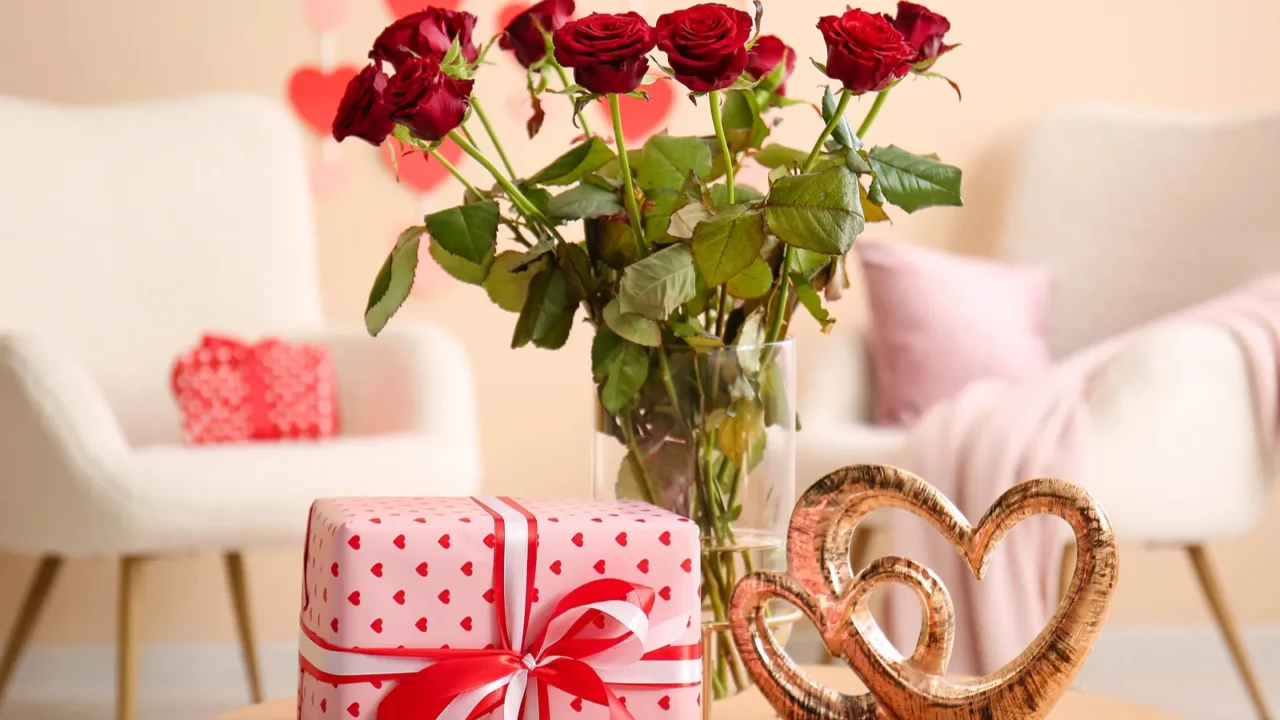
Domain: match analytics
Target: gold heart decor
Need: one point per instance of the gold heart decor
(823, 585)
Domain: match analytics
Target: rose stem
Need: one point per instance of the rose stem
(564, 78)
(633, 212)
(873, 112)
(497, 144)
(522, 203)
(784, 285)
(549, 42)
(454, 172)
(717, 120)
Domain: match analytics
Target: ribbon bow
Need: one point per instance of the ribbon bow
(598, 634)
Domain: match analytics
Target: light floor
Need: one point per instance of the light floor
(1183, 670)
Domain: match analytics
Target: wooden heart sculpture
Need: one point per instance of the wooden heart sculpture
(823, 585)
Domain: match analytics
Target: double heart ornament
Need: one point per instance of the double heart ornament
(822, 583)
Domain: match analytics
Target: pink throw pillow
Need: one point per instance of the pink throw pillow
(941, 321)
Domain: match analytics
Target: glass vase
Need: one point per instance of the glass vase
(710, 435)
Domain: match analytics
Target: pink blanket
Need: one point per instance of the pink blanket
(994, 435)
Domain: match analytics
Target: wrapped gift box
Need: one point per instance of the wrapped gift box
(230, 391)
(403, 596)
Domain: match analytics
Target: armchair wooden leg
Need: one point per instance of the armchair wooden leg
(244, 623)
(37, 593)
(1227, 624)
(127, 636)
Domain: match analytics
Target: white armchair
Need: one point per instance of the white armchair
(125, 232)
(1119, 205)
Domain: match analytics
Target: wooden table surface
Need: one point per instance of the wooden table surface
(751, 706)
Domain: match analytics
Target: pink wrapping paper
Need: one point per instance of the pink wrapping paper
(419, 573)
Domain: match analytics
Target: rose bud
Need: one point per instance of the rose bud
(363, 111)
(606, 52)
(706, 45)
(864, 52)
(765, 56)
(426, 33)
(923, 30)
(427, 101)
(523, 34)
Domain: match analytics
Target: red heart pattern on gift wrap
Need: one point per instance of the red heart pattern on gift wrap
(644, 553)
(315, 94)
(399, 542)
(376, 569)
(354, 598)
(353, 709)
(576, 704)
(444, 541)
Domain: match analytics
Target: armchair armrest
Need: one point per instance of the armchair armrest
(59, 441)
(412, 378)
(1175, 448)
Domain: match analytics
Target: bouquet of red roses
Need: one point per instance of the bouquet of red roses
(666, 256)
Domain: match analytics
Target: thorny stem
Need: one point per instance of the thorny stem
(624, 164)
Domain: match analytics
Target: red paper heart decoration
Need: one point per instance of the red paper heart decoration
(508, 12)
(400, 8)
(642, 118)
(315, 95)
(416, 171)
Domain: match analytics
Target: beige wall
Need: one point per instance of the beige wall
(1019, 58)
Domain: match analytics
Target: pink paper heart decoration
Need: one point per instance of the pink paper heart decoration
(416, 172)
(642, 118)
(328, 177)
(325, 15)
(400, 8)
(315, 95)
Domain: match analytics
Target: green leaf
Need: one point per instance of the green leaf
(657, 285)
(571, 166)
(624, 366)
(741, 112)
(821, 66)
(660, 203)
(843, 134)
(605, 346)
(741, 194)
(507, 288)
(812, 302)
(540, 198)
(668, 160)
(585, 201)
(468, 231)
(913, 181)
(806, 263)
(394, 280)
(727, 243)
(547, 316)
(464, 270)
(684, 220)
(775, 156)
(751, 337)
(870, 210)
(576, 264)
(816, 211)
(856, 162)
(636, 328)
(610, 242)
(752, 283)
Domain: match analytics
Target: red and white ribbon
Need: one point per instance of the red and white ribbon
(464, 684)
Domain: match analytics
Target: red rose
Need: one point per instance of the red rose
(864, 52)
(426, 33)
(524, 33)
(606, 52)
(769, 52)
(425, 100)
(363, 112)
(923, 30)
(705, 44)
